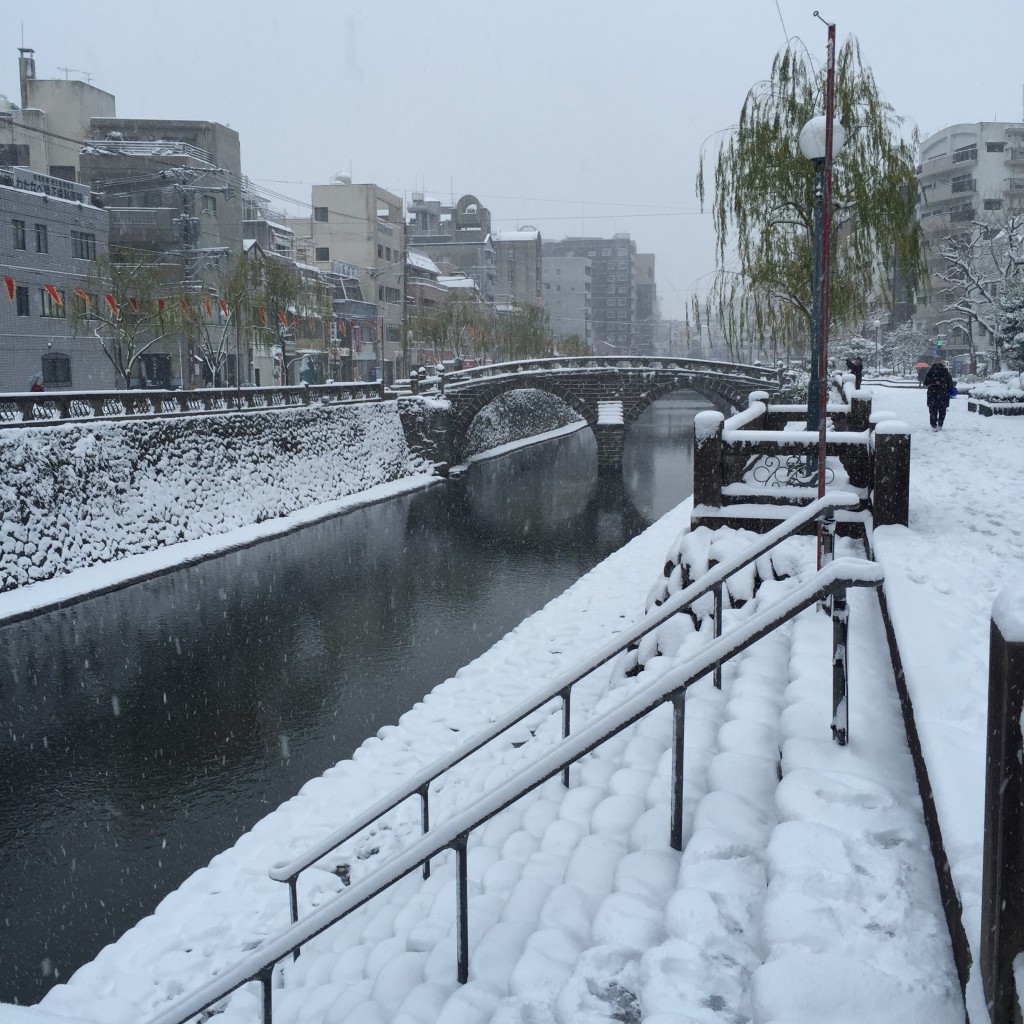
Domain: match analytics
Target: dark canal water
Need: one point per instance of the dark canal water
(143, 731)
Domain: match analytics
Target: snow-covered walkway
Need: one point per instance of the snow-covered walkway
(805, 890)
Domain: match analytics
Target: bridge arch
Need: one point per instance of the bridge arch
(587, 383)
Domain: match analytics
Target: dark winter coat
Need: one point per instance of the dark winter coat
(938, 382)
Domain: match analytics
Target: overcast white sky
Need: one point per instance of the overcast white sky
(576, 117)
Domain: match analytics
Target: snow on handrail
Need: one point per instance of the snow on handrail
(835, 575)
(289, 870)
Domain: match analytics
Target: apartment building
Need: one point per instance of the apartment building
(967, 173)
(361, 225)
(518, 267)
(50, 234)
(45, 132)
(613, 288)
(568, 290)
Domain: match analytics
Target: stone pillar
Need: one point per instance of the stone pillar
(890, 490)
(1002, 883)
(860, 411)
(707, 459)
(611, 439)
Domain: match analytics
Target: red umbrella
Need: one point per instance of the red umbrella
(921, 366)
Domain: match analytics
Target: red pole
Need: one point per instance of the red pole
(826, 251)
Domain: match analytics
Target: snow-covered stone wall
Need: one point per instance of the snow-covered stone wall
(85, 493)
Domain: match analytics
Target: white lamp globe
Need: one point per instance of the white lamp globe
(812, 138)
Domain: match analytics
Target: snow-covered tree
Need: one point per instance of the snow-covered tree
(125, 305)
(981, 264)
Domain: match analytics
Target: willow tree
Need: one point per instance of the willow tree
(763, 205)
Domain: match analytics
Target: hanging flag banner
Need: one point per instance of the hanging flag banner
(112, 303)
(223, 306)
(295, 321)
(208, 307)
(160, 305)
(9, 284)
(282, 318)
(134, 303)
(53, 293)
(184, 306)
(342, 329)
(263, 315)
(85, 298)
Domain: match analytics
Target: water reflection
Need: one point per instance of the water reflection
(143, 731)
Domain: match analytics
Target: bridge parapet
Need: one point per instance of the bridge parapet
(588, 383)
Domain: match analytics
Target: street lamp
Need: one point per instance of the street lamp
(814, 146)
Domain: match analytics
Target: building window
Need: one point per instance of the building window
(995, 147)
(323, 254)
(962, 183)
(210, 204)
(993, 204)
(966, 153)
(83, 245)
(320, 214)
(21, 300)
(392, 295)
(380, 251)
(42, 239)
(19, 234)
(56, 368)
(962, 214)
(50, 306)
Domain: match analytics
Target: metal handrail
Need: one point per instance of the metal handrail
(560, 687)
(831, 580)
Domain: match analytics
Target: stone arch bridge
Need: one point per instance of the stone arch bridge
(609, 393)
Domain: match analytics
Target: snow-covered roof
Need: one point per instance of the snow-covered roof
(457, 282)
(515, 236)
(422, 262)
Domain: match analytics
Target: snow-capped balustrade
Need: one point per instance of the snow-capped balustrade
(754, 467)
(54, 406)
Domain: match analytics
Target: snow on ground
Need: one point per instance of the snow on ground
(808, 899)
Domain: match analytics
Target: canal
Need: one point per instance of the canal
(144, 731)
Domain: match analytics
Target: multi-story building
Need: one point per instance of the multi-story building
(646, 303)
(458, 239)
(518, 267)
(362, 226)
(968, 173)
(567, 297)
(45, 133)
(614, 288)
(50, 233)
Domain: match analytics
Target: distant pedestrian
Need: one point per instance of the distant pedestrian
(858, 371)
(938, 382)
(35, 382)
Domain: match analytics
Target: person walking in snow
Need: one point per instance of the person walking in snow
(938, 382)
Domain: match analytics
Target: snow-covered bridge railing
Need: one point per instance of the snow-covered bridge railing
(831, 581)
(590, 384)
(43, 407)
(749, 468)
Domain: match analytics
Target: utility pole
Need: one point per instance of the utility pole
(406, 345)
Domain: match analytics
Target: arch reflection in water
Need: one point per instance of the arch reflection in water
(143, 731)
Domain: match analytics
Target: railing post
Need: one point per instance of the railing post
(1002, 881)
(678, 740)
(425, 819)
(462, 894)
(840, 668)
(566, 707)
(265, 978)
(707, 459)
(717, 617)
